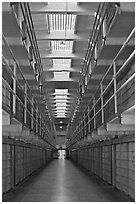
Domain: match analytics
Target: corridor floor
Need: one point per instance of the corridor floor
(62, 181)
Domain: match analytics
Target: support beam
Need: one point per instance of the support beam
(12, 128)
(128, 116)
(119, 127)
(60, 8)
(56, 68)
(5, 119)
(115, 120)
(63, 55)
(102, 131)
(128, 119)
(94, 134)
(17, 134)
(59, 35)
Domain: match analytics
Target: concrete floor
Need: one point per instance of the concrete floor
(62, 181)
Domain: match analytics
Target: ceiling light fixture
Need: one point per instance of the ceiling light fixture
(63, 43)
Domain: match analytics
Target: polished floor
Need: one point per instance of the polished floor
(62, 181)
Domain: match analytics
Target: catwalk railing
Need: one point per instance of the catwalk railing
(23, 16)
(24, 20)
(31, 33)
(110, 99)
(104, 18)
(18, 100)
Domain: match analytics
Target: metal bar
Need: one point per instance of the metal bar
(104, 28)
(125, 43)
(5, 61)
(127, 81)
(125, 63)
(115, 88)
(48, 23)
(30, 28)
(94, 112)
(25, 109)
(35, 40)
(14, 89)
(101, 87)
(88, 120)
(32, 118)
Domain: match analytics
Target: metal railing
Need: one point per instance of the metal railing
(112, 90)
(103, 21)
(31, 33)
(16, 100)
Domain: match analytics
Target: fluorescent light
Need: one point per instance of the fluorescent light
(62, 45)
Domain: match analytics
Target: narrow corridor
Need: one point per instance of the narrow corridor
(62, 181)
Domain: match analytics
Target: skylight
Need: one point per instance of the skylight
(61, 75)
(61, 97)
(61, 101)
(56, 45)
(61, 91)
(61, 111)
(61, 108)
(61, 61)
(61, 104)
(60, 22)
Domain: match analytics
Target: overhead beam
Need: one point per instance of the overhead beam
(60, 35)
(62, 68)
(80, 36)
(63, 55)
(57, 7)
(60, 80)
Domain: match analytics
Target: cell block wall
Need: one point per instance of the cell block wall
(112, 160)
(20, 160)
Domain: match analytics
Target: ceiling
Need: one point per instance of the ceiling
(62, 31)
